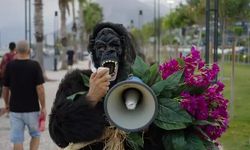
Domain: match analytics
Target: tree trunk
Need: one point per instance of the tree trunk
(64, 39)
(38, 17)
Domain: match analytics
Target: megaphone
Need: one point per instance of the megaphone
(131, 105)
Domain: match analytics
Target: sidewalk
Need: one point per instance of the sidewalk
(50, 90)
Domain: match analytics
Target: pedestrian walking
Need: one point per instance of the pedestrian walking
(70, 58)
(23, 91)
(7, 57)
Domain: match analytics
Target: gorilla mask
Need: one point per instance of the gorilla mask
(108, 50)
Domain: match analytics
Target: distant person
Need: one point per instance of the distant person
(23, 90)
(7, 57)
(70, 57)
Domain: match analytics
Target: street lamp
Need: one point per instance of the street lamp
(55, 40)
(207, 31)
(171, 5)
(27, 9)
(140, 18)
(131, 24)
(25, 18)
(159, 31)
(216, 16)
(155, 31)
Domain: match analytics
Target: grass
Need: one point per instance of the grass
(237, 137)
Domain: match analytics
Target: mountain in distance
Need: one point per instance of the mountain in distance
(123, 11)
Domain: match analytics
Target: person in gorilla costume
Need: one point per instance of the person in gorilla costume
(80, 122)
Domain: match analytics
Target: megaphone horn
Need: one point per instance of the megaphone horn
(131, 105)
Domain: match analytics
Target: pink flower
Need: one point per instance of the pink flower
(210, 103)
(196, 105)
(169, 68)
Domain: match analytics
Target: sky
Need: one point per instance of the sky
(12, 18)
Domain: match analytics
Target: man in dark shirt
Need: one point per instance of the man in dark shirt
(23, 90)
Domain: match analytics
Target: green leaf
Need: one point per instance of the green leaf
(135, 141)
(154, 75)
(174, 140)
(166, 94)
(171, 116)
(170, 83)
(146, 77)
(85, 80)
(210, 145)
(170, 111)
(73, 96)
(181, 62)
(139, 67)
(204, 122)
(203, 133)
(194, 143)
(170, 126)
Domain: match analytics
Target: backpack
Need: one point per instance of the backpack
(6, 59)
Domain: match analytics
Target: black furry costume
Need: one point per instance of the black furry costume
(77, 121)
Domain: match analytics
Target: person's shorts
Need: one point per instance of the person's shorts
(18, 121)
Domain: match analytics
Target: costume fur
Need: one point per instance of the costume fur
(75, 121)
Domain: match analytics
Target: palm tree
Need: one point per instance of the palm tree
(38, 23)
(92, 15)
(64, 6)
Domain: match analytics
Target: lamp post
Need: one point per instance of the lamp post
(27, 18)
(55, 40)
(216, 16)
(248, 56)
(155, 31)
(140, 19)
(207, 31)
(30, 22)
(159, 32)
